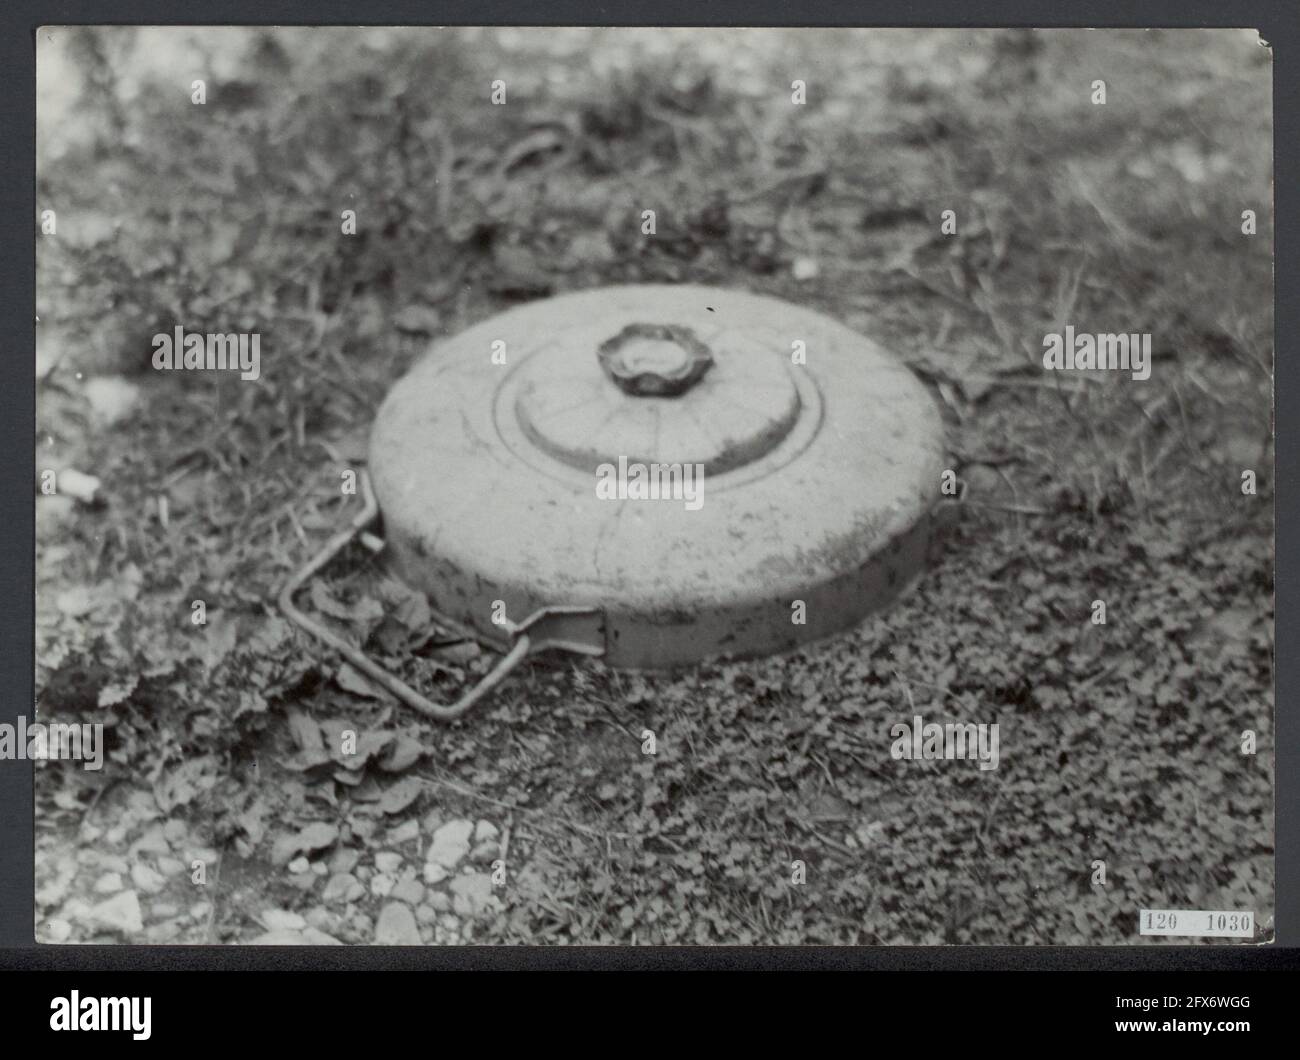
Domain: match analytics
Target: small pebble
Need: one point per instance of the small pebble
(76, 909)
(450, 843)
(147, 879)
(805, 268)
(404, 833)
(166, 931)
(410, 891)
(109, 883)
(338, 887)
(120, 913)
(111, 862)
(485, 852)
(171, 867)
(282, 920)
(304, 881)
(344, 859)
(396, 926)
(154, 841)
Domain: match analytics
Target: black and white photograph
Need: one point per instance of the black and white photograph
(653, 487)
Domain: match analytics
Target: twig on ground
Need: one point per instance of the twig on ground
(1015, 509)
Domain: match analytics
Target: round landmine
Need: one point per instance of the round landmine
(698, 467)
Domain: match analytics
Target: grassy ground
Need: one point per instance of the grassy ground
(1120, 743)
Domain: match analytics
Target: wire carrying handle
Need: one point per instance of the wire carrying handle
(526, 637)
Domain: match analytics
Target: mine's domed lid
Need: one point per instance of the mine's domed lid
(795, 461)
(722, 397)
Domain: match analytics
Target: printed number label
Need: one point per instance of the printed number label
(1197, 923)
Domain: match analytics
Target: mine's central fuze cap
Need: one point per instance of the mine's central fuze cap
(698, 469)
(677, 397)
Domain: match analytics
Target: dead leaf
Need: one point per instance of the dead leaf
(413, 612)
(400, 795)
(326, 604)
(316, 836)
(350, 679)
(178, 786)
(405, 753)
(116, 692)
(306, 733)
(219, 636)
(305, 761)
(252, 821)
(269, 636)
(460, 653)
